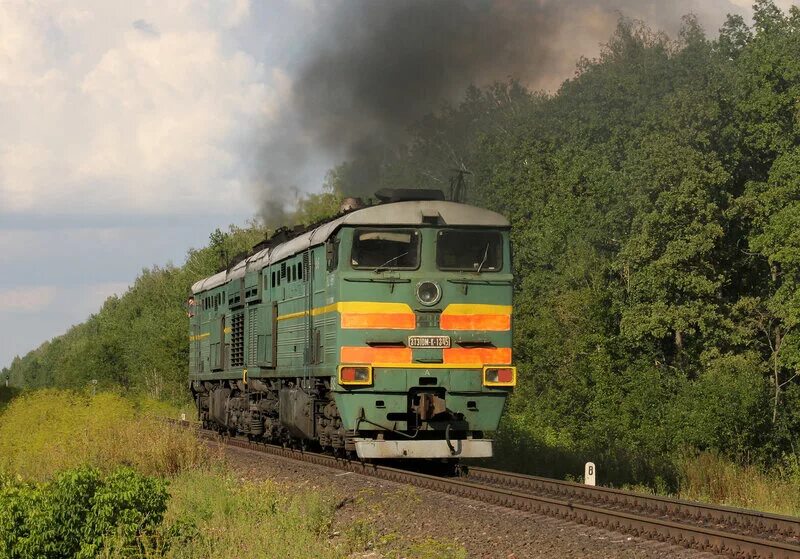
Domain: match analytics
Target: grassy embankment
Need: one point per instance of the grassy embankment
(76, 461)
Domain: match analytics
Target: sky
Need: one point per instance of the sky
(128, 130)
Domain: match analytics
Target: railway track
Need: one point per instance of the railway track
(711, 528)
(739, 532)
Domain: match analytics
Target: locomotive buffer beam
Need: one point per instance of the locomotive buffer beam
(437, 448)
(429, 407)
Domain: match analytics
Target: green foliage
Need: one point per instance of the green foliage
(56, 525)
(72, 515)
(16, 501)
(127, 505)
(313, 208)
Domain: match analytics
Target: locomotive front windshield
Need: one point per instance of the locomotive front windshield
(391, 249)
(474, 251)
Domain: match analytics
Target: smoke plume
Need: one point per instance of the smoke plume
(376, 67)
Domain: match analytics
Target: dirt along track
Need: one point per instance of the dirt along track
(391, 508)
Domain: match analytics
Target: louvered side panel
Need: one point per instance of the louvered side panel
(252, 335)
(237, 340)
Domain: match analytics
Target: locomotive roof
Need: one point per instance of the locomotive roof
(397, 213)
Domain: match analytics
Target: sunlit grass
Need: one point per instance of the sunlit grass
(212, 515)
(291, 524)
(50, 430)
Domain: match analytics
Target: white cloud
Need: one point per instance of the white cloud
(24, 247)
(237, 11)
(76, 301)
(27, 299)
(16, 243)
(89, 298)
(140, 107)
(80, 300)
(308, 6)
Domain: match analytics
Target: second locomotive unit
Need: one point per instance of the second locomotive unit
(385, 332)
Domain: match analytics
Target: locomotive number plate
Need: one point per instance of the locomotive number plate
(429, 341)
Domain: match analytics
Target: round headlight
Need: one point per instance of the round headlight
(429, 292)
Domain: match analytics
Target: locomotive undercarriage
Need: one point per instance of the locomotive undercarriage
(282, 411)
(302, 411)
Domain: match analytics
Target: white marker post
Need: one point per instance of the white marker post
(590, 474)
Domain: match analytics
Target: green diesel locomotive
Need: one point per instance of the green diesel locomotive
(385, 332)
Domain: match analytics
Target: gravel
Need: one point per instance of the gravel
(393, 518)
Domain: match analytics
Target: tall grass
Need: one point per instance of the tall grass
(51, 430)
(212, 515)
(696, 476)
(713, 478)
(209, 514)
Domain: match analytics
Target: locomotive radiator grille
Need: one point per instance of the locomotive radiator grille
(237, 340)
(252, 335)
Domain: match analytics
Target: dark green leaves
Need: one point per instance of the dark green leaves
(72, 515)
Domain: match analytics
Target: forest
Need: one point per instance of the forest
(655, 206)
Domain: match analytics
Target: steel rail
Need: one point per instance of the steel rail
(744, 521)
(700, 537)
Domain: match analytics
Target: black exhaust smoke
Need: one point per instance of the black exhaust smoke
(377, 67)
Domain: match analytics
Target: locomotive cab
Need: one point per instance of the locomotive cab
(425, 342)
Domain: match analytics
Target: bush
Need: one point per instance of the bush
(127, 504)
(16, 501)
(72, 515)
(7, 393)
(727, 409)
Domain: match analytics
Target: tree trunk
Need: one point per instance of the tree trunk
(776, 375)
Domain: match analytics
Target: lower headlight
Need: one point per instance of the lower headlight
(355, 374)
(499, 376)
